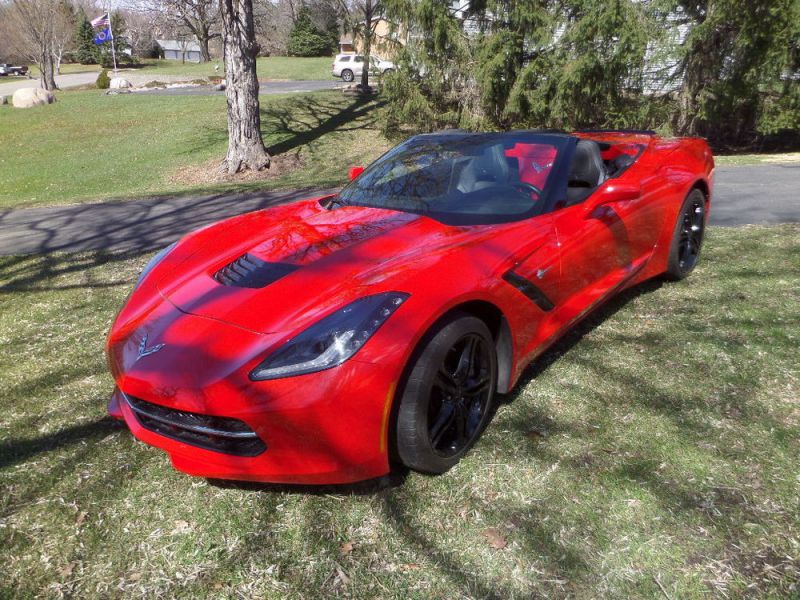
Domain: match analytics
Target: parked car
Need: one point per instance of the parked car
(326, 340)
(350, 66)
(7, 69)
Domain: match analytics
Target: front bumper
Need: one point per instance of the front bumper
(322, 428)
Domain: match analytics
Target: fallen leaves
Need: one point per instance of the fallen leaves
(181, 527)
(496, 539)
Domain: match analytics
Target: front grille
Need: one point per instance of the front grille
(220, 434)
(251, 272)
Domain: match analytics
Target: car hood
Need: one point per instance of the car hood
(309, 260)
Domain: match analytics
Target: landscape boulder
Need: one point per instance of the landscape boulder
(31, 96)
(119, 83)
(3, 100)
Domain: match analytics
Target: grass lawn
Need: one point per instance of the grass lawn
(68, 68)
(653, 453)
(757, 159)
(90, 146)
(270, 67)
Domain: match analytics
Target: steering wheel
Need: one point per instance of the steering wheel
(524, 187)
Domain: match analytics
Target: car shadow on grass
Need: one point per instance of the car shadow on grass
(360, 488)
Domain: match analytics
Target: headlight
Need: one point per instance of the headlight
(332, 340)
(153, 262)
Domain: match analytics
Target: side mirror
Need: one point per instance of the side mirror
(355, 172)
(619, 192)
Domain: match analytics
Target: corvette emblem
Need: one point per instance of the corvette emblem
(145, 351)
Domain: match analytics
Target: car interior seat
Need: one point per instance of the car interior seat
(485, 170)
(619, 163)
(586, 172)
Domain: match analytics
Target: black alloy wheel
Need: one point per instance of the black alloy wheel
(446, 400)
(459, 396)
(688, 236)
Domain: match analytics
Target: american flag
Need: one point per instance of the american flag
(101, 21)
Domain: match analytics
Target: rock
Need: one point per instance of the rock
(3, 100)
(28, 97)
(119, 83)
(220, 87)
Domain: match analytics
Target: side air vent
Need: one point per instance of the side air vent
(530, 290)
(249, 271)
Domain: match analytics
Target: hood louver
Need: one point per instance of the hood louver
(249, 271)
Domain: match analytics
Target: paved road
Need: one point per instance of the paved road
(756, 194)
(7, 88)
(265, 88)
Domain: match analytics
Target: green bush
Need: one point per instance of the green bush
(103, 80)
(306, 39)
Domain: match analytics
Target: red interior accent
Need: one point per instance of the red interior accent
(535, 162)
(617, 149)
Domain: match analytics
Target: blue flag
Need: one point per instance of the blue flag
(102, 36)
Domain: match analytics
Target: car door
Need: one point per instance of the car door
(595, 252)
(536, 273)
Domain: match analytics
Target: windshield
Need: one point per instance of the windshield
(462, 179)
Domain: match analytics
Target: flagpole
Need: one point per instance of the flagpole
(111, 35)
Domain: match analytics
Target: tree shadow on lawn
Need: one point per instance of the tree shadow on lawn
(298, 121)
(28, 273)
(693, 407)
(304, 119)
(15, 451)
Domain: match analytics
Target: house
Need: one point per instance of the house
(388, 37)
(182, 50)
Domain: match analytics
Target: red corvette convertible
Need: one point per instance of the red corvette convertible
(326, 340)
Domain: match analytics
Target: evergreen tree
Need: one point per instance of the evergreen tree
(306, 39)
(739, 69)
(86, 52)
(720, 68)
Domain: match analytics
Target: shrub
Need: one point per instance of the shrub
(306, 39)
(103, 80)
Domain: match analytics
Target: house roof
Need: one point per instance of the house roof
(178, 45)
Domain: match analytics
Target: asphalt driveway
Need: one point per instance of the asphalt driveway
(762, 194)
(7, 88)
(265, 88)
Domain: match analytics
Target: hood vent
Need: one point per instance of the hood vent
(249, 271)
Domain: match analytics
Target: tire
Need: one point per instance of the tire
(687, 237)
(347, 75)
(387, 71)
(447, 396)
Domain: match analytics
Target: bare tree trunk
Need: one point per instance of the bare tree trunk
(368, 14)
(47, 80)
(245, 147)
(205, 55)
